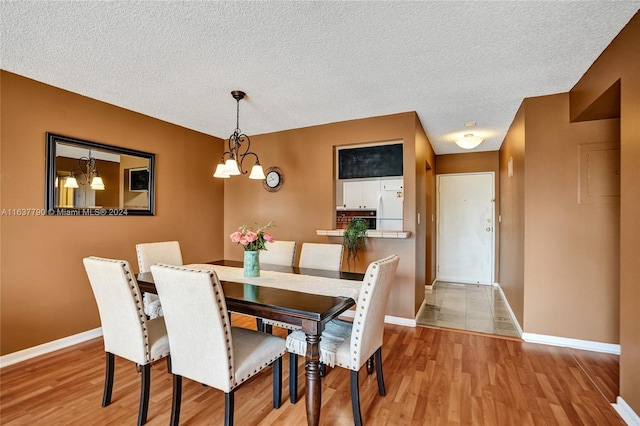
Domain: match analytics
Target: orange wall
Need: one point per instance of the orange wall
(621, 62)
(425, 159)
(306, 201)
(558, 257)
(571, 248)
(512, 211)
(45, 292)
(468, 163)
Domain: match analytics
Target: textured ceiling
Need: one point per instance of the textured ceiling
(310, 63)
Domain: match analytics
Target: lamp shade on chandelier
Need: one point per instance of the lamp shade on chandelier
(238, 145)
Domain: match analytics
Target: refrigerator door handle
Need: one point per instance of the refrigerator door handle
(379, 211)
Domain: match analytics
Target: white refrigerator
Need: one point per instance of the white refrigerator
(390, 205)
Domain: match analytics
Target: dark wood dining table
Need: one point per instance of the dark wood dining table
(308, 311)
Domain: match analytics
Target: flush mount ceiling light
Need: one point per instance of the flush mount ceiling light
(237, 153)
(468, 141)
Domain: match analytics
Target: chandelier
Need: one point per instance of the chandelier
(238, 151)
(90, 176)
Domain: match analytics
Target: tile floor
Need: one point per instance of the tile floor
(467, 307)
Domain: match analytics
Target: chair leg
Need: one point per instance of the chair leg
(228, 409)
(323, 369)
(268, 328)
(169, 364)
(293, 378)
(379, 375)
(259, 325)
(177, 400)
(277, 382)
(370, 365)
(108, 379)
(144, 394)
(355, 399)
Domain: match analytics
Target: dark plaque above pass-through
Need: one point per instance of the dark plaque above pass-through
(370, 161)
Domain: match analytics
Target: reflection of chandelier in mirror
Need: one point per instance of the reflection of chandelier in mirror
(235, 157)
(90, 175)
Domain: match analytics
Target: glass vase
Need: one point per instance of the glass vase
(251, 263)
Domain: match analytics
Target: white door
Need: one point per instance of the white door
(465, 247)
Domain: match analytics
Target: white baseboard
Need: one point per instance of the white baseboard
(629, 416)
(458, 281)
(45, 348)
(586, 345)
(560, 341)
(511, 314)
(407, 322)
(430, 286)
(388, 319)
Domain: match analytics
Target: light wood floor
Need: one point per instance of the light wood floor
(432, 376)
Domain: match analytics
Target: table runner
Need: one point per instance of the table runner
(287, 281)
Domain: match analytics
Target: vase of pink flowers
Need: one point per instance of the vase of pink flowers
(252, 241)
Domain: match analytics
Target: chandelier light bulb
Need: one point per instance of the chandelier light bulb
(219, 173)
(231, 167)
(71, 182)
(257, 172)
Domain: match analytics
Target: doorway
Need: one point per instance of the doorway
(465, 225)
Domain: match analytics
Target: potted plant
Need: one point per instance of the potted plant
(354, 238)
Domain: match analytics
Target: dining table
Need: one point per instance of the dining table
(303, 297)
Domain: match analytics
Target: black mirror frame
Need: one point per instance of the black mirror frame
(52, 210)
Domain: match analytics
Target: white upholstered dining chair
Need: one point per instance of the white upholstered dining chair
(352, 344)
(167, 252)
(321, 256)
(279, 253)
(313, 256)
(126, 331)
(204, 345)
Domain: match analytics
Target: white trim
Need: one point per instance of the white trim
(629, 416)
(513, 316)
(587, 345)
(407, 322)
(45, 348)
(388, 319)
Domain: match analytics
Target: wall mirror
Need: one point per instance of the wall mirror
(87, 178)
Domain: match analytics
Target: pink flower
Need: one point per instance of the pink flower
(251, 236)
(250, 239)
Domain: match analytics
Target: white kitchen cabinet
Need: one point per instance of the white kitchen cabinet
(392, 185)
(361, 195)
